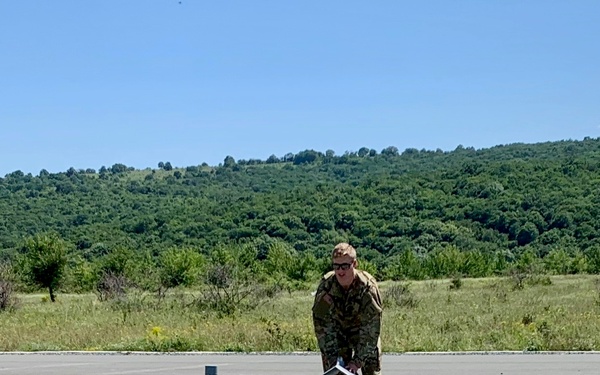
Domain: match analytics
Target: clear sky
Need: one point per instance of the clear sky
(90, 83)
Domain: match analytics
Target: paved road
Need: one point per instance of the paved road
(300, 364)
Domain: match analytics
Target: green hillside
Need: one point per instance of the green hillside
(469, 211)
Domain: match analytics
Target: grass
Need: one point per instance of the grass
(490, 314)
(480, 314)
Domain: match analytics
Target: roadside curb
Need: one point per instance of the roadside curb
(76, 352)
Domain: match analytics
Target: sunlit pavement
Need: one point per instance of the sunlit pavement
(108, 363)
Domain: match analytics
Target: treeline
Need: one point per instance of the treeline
(235, 275)
(411, 214)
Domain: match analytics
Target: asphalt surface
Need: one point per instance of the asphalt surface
(300, 364)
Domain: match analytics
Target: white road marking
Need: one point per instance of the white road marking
(47, 366)
(163, 369)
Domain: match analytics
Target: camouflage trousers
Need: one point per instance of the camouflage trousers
(347, 345)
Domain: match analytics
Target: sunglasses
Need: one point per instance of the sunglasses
(342, 266)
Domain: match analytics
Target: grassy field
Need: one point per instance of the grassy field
(557, 313)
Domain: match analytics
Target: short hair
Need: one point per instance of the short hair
(343, 249)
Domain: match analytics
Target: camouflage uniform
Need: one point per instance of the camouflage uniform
(348, 322)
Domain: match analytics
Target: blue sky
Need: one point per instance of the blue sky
(90, 83)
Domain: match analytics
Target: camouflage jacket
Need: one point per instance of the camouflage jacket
(344, 312)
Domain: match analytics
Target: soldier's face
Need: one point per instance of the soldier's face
(344, 276)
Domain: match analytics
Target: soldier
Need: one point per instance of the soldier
(347, 315)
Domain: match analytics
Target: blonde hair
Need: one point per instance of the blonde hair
(343, 249)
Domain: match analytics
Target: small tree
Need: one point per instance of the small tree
(45, 260)
(180, 267)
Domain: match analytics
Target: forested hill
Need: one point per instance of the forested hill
(502, 200)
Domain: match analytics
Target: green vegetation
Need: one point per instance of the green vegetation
(177, 255)
(44, 262)
(418, 214)
(560, 313)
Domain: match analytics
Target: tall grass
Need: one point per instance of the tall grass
(561, 313)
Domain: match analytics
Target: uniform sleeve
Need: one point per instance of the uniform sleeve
(370, 328)
(325, 326)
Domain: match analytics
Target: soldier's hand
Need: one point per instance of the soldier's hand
(352, 367)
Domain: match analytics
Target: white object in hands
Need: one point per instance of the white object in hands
(338, 369)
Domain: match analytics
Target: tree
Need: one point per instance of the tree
(405, 265)
(390, 151)
(71, 172)
(272, 159)
(346, 220)
(229, 161)
(180, 266)
(306, 157)
(118, 168)
(528, 233)
(118, 261)
(318, 222)
(45, 260)
(443, 261)
(363, 151)
(410, 151)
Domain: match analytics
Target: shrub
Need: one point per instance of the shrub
(527, 319)
(597, 288)
(528, 270)
(112, 286)
(8, 300)
(539, 279)
(6, 295)
(180, 267)
(520, 278)
(456, 282)
(401, 295)
(80, 276)
(229, 290)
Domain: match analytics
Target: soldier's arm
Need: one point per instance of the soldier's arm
(325, 326)
(370, 328)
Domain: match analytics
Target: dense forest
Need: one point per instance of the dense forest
(411, 214)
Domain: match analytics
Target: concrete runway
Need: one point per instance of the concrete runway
(301, 364)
